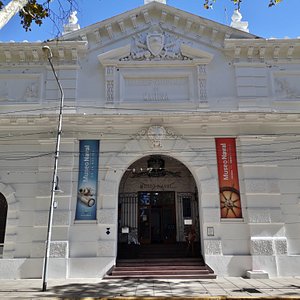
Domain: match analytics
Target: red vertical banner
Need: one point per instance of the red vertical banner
(230, 200)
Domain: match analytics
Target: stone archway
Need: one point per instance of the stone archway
(171, 145)
(3, 216)
(11, 220)
(158, 205)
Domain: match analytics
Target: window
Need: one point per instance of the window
(186, 207)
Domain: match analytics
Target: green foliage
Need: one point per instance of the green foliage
(34, 12)
(209, 3)
(273, 2)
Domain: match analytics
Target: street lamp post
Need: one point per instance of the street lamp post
(48, 51)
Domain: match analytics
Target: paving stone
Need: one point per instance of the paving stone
(31, 289)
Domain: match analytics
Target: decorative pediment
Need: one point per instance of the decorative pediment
(155, 46)
(157, 66)
(156, 14)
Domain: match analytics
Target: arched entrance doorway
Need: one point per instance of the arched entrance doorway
(158, 209)
(3, 216)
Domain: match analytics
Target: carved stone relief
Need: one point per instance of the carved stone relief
(18, 89)
(201, 70)
(110, 91)
(213, 247)
(31, 92)
(58, 249)
(161, 89)
(262, 246)
(149, 70)
(280, 245)
(269, 246)
(155, 135)
(109, 71)
(287, 87)
(110, 83)
(155, 45)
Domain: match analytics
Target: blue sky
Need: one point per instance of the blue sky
(279, 22)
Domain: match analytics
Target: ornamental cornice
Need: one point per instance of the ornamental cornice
(261, 50)
(170, 18)
(32, 53)
(118, 121)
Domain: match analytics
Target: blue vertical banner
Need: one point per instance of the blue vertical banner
(87, 180)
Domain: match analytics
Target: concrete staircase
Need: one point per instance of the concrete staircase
(171, 268)
(172, 260)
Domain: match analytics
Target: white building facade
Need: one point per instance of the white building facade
(158, 102)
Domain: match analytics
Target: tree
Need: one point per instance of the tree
(209, 3)
(36, 11)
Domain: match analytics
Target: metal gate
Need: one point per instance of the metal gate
(128, 216)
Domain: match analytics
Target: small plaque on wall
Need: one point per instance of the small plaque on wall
(188, 222)
(159, 88)
(125, 229)
(210, 231)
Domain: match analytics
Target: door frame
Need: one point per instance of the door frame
(145, 216)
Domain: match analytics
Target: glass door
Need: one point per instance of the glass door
(156, 226)
(144, 217)
(157, 220)
(169, 225)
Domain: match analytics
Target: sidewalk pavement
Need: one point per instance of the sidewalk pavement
(117, 289)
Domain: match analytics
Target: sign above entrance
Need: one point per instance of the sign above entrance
(153, 186)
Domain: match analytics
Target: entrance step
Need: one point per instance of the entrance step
(194, 262)
(185, 268)
(172, 250)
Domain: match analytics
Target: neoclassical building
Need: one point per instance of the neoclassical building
(170, 122)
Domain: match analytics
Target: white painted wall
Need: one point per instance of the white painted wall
(253, 97)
